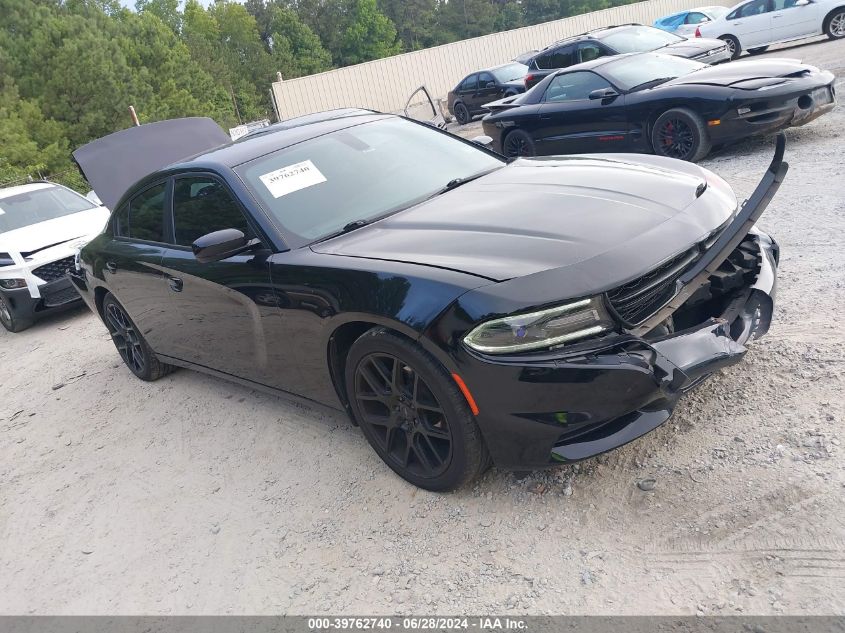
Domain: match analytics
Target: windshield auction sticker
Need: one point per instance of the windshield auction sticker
(292, 178)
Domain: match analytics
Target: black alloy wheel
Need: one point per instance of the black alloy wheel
(130, 344)
(461, 113)
(412, 413)
(518, 143)
(680, 133)
(733, 45)
(8, 318)
(403, 415)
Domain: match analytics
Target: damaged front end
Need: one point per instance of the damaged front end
(684, 320)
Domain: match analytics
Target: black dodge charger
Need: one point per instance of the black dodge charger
(650, 102)
(462, 309)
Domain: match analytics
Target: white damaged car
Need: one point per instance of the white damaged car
(42, 227)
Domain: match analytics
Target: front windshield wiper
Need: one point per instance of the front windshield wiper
(457, 182)
(651, 83)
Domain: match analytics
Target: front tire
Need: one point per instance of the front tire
(10, 321)
(518, 143)
(734, 46)
(461, 113)
(412, 412)
(130, 343)
(834, 24)
(680, 133)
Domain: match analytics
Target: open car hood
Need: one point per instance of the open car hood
(115, 162)
(544, 213)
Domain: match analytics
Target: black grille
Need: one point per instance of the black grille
(60, 297)
(639, 299)
(54, 270)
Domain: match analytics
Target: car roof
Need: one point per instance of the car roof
(8, 192)
(307, 119)
(254, 146)
(588, 35)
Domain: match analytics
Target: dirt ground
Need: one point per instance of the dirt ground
(195, 496)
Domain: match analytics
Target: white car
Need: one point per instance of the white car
(42, 227)
(683, 23)
(755, 24)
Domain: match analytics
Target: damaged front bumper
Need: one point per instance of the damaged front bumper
(594, 397)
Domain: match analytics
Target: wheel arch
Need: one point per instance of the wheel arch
(829, 15)
(100, 293)
(345, 334)
(341, 340)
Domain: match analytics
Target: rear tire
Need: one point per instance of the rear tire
(680, 133)
(733, 45)
(834, 24)
(130, 343)
(412, 412)
(461, 113)
(7, 317)
(518, 143)
(758, 50)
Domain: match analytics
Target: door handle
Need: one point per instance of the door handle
(776, 16)
(737, 23)
(111, 267)
(175, 284)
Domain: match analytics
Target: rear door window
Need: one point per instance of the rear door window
(562, 57)
(469, 83)
(146, 215)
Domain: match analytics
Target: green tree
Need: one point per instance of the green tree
(295, 48)
(369, 34)
(166, 10)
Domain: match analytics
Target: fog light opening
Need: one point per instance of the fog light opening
(805, 102)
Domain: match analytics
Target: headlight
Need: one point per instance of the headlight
(542, 329)
(11, 284)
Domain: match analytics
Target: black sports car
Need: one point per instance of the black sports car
(459, 307)
(648, 102)
(619, 40)
(467, 99)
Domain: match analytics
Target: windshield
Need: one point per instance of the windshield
(316, 188)
(40, 205)
(639, 39)
(510, 72)
(630, 72)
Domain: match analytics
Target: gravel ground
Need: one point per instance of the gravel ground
(192, 495)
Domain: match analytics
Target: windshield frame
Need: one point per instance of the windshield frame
(292, 240)
(47, 187)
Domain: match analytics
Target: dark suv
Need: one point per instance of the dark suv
(467, 98)
(615, 40)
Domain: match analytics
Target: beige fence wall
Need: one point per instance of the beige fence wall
(385, 84)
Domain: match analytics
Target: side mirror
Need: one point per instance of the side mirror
(482, 140)
(802, 3)
(603, 93)
(220, 245)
